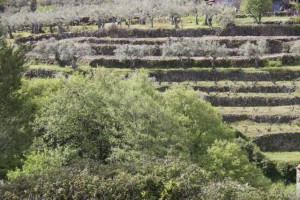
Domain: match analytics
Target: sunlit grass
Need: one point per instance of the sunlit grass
(253, 129)
(283, 156)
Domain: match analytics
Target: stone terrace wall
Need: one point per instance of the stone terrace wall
(279, 142)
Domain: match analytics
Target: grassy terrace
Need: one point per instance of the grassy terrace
(283, 156)
(253, 129)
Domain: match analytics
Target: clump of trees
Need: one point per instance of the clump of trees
(105, 137)
(64, 14)
(65, 52)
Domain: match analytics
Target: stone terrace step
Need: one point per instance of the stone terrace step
(251, 100)
(240, 89)
(229, 75)
(267, 111)
(231, 118)
(283, 141)
(155, 41)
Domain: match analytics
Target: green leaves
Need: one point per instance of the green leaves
(256, 8)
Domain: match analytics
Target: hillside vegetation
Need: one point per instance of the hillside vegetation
(148, 100)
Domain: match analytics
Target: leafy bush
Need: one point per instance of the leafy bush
(273, 63)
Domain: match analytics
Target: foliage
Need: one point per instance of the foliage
(254, 51)
(227, 160)
(214, 50)
(131, 52)
(66, 52)
(181, 48)
(225, 16)
(256, 8)
(191, 47)
(102, 136)
(13, 138)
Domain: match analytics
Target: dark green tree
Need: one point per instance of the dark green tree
(11, 139)
(256, 8)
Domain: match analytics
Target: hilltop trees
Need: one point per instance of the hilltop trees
(256, 8)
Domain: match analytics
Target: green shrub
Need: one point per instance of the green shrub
(273, 63)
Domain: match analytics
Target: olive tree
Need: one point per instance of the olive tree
(225, 16)
(152, 9)
(131, 52)
(127, 10)
(254, 51)
(175, 9)
(179, 48)
(213, 50)
(66, 52)
(100, 14)
(256, 8)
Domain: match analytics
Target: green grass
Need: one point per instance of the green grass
(283, 156)
(250, 20)
(51, 67)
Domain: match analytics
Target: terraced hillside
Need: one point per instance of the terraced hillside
(262, 103)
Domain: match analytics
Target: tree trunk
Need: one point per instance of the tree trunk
(213, 63)
(99, 24)
(209, 21)
(205, 20)
(152, 22)
(176, 22)
(74, 62)
(60, 28)
(196, 20)
(51, 29)
(10, 33)
(256, 62)
(172, 20)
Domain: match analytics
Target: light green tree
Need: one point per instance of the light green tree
(227, 160)
(256, 8)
